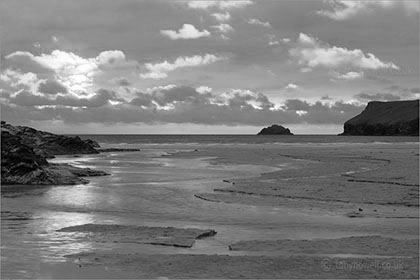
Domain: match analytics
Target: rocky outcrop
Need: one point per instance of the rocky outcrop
(275, 130)
(24, 153)
(48, 144)
(397, 118)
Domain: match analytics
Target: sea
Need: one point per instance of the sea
(151, 188)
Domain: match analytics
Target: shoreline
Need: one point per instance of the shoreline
(265, 219)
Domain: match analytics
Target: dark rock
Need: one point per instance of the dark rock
(24, 153)
(48, 144)
(397, 118)
(91, 142)
(17, 159)
(65, 145)
(275, 130)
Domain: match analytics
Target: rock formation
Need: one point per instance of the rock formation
(397, 118)
(49, 144)
(275, 130)
(23, 157)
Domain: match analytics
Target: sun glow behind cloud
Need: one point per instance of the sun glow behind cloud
(220, 63)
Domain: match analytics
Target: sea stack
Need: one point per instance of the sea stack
(396, 118)
(275, 129)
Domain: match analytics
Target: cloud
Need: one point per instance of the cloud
(98, 99)
(222, 5)
(254, 21)
(415, 90)
(366, 96)
(51, 87)
(222, 17)
(291, 86)
(68, 69)
(112, 58)
(346, 9)
(351, 75)
(223, 28)
(187, 31)
(391, 93)
(176, 104)
(203, 89)
(311, 52)
(25, 62)
(160, 70)
(123, 82)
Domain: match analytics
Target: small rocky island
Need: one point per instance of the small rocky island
(396, 118)
(275, 130)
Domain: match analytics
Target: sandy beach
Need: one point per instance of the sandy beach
(291, 210)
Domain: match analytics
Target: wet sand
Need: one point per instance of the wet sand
(280, 211)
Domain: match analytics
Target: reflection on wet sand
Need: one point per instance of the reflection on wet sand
(151, 190)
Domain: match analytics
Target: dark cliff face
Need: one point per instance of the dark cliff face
(397, 118)
(275, 130)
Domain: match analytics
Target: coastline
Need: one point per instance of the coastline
(242, 217)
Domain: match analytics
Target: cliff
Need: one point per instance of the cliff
(275, 130)
(397, 118)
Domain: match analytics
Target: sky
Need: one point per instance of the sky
(212, 67)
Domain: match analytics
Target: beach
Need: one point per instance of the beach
(298, 208)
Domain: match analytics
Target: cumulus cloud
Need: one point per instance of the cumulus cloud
(222, 4)
(223, 28)
(160, 70)
(255, 21)
(187, 31)
(346, 9)
(114, 57)
(291, 86)
(351, 75)
(68, 69)
(25, 62)
(222, 17)
(310, 52)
